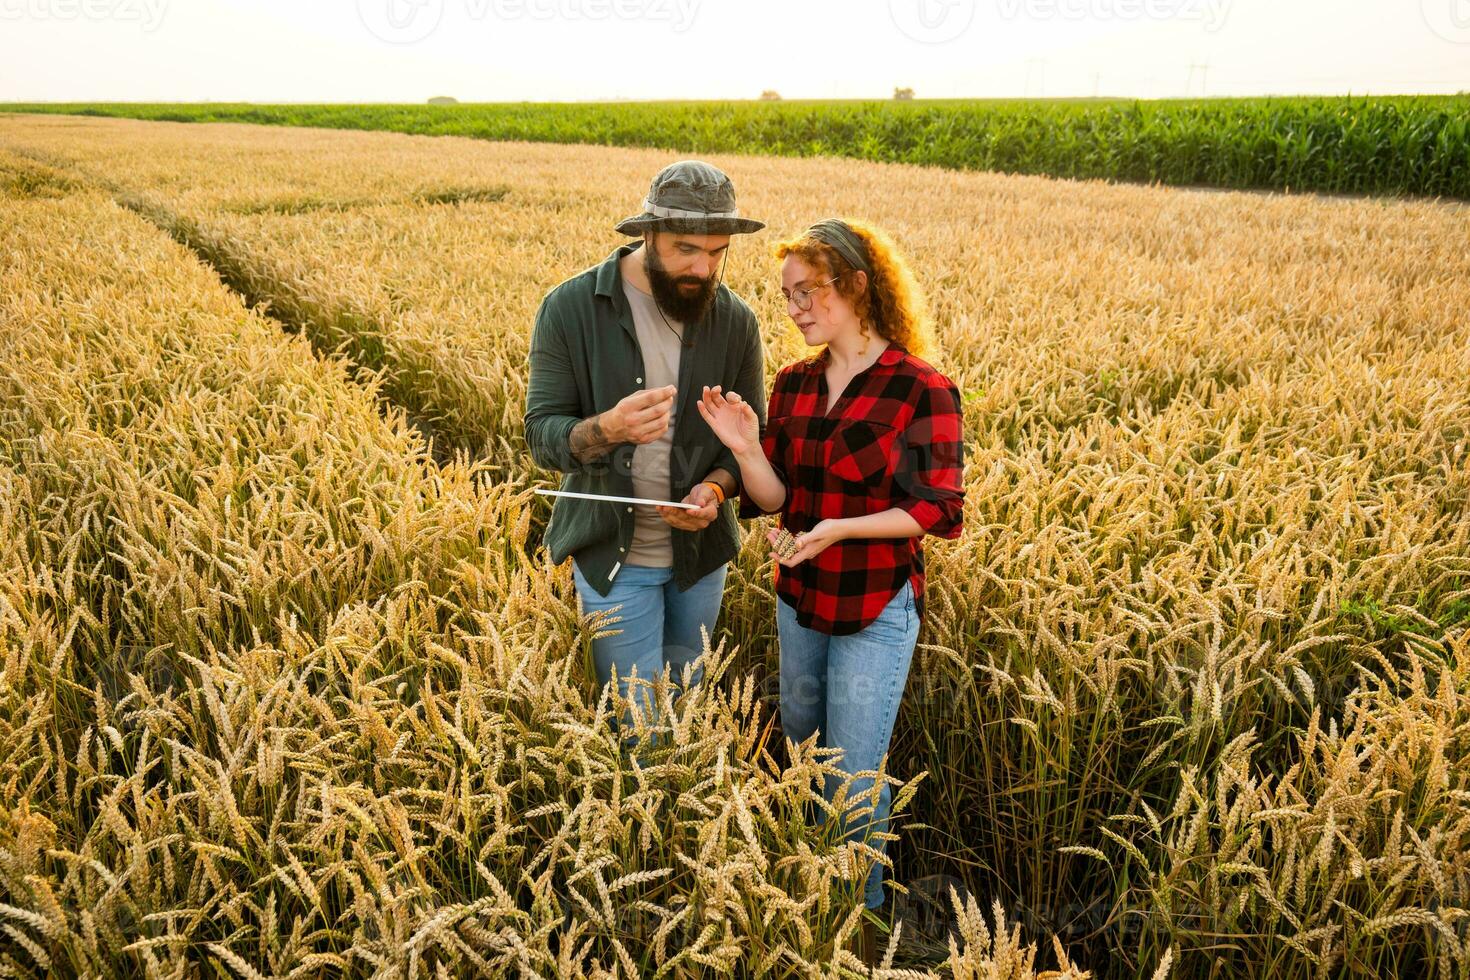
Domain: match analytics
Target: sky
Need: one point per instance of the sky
(593, 50)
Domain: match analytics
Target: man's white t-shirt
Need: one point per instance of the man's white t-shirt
(662, 347)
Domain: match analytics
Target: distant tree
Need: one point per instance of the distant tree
(443, 100)
(770, 95)
(903, 93)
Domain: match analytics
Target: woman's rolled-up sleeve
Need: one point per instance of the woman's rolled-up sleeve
(929, 481)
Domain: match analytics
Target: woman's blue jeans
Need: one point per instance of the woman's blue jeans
(657, 625)
(849, 687)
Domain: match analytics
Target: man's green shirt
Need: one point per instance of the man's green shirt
(584, 359)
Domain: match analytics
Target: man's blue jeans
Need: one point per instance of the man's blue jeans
(849, 688)
(658, 625)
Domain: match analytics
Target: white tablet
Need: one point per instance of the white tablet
(616, 500)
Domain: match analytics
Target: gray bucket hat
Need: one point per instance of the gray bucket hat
(693, 197)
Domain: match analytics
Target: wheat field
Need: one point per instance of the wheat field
(286, 698)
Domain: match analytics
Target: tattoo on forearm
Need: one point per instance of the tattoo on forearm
(588, 441)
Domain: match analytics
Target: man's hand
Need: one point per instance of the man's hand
(693, 520)
(641, 417)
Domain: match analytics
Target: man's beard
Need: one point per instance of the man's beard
(678, 304)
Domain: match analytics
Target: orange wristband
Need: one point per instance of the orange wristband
(719, 490)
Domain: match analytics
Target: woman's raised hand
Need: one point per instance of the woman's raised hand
(731, 418)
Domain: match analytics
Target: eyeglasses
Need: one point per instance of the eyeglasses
(802, 295)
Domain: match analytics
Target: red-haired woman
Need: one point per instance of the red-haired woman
(862, 455)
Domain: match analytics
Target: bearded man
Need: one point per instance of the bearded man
(620, 354)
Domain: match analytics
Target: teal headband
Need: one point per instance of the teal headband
(839, 234)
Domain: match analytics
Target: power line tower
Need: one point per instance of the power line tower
(1204, 71)
(1035, 73)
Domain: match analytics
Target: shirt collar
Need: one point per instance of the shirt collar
(610, 274)
(891, 355)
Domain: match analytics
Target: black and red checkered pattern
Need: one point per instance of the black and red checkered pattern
(894, 438)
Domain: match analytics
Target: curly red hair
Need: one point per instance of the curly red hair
(893, 303)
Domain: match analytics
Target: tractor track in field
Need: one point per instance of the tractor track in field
(268, 294)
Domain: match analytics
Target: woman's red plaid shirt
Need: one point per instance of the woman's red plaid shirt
(895, 438)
